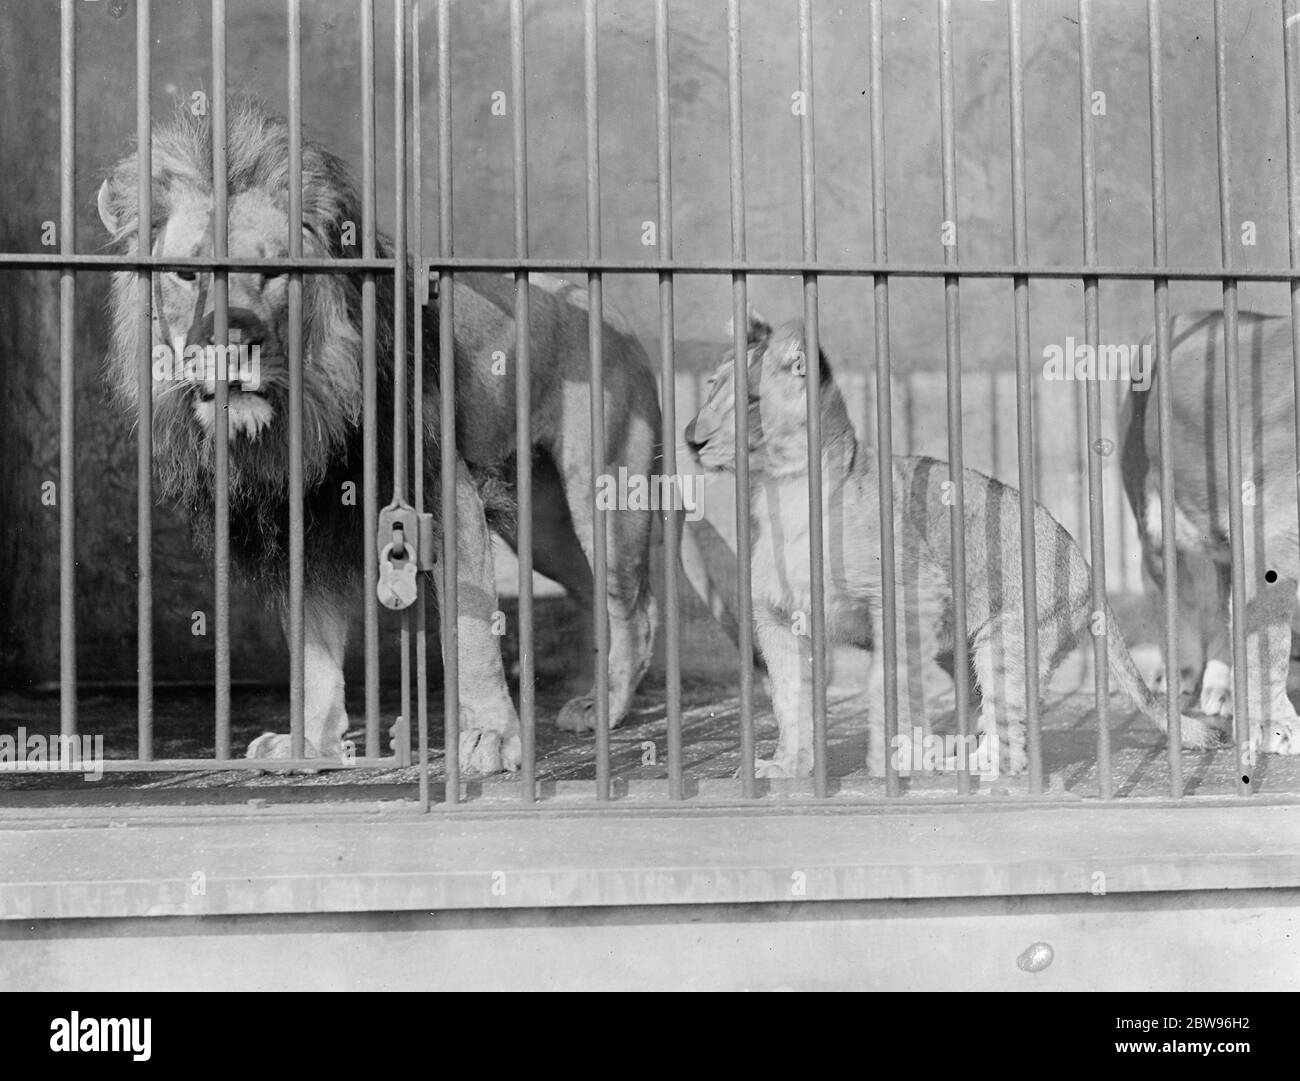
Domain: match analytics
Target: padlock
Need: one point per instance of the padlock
(397, 588)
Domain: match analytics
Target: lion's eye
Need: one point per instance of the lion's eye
(800, 366)
(186, 275)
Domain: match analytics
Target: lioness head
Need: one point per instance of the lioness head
(186, 359)
(777, 367)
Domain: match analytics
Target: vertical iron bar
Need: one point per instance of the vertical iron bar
(740, 336)
(595, 327)
(523, 413)
(1092, 389)
(1164, 400)
(1242, 721)
(952, 323)
(67, 377)
(449, 460)
(886, 645)
(401, 403)
(812, 365)
(144, 384)
(1025, 444)
(297, 559)
(221, 401)
(369, 389)
(417, 393)
(1291, 54)
(668, 397)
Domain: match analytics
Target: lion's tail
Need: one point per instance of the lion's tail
(1123, 670)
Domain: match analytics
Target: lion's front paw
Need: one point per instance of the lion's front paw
(578, 715)
(485, 751)
(1016, 758)
(278, 745)
(1216, 690)
(780, 768)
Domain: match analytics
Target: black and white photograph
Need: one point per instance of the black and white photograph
(650, 495)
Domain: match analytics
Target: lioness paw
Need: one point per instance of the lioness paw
(485, 751)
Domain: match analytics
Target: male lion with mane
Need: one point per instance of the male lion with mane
(780, 565)
(563, 472)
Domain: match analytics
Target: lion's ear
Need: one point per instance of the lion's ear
(116, 215)
(118, 205)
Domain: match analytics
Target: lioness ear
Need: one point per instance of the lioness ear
(759, 328)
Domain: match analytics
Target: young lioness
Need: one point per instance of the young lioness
(778, 462)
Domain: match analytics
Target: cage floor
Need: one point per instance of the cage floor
(710, 740)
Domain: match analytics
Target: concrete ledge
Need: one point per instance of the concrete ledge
(387, 858)
(1244, 940)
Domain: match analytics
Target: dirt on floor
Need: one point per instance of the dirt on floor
(183, 728)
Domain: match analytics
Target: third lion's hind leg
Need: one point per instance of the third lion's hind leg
(1210, 600)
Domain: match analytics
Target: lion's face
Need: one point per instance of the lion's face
(776, 368)
(252, 355)
(186, 361)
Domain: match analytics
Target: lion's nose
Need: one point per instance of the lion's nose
(689, 435)
(243, 327)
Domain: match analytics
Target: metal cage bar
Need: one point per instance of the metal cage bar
(297, 559)
(1242, 721)
(740, 340)
(401, 403)
(220, 402)
(67, 495)
(449, 462)
(144, 386)
(418, 420)
(668, 403)
(369, 380)
(1092, 391)
(812, 366)
(1291, 62)
(523, 414)
(1026, 458)
(1164, 400)
(595, 348)
(617, 265)
(952, 336)
(888, 628)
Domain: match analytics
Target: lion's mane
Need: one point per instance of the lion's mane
(258, 156)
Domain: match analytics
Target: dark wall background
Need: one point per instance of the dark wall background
(29, 42)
